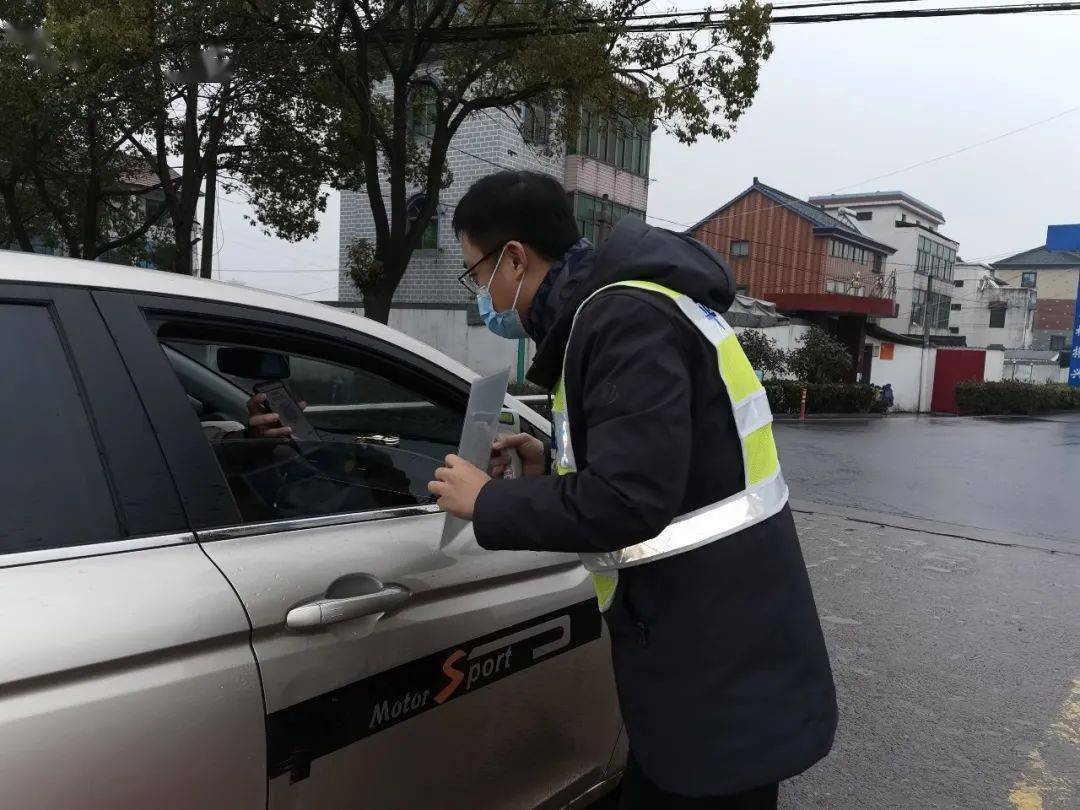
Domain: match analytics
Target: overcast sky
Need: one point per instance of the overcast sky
(839, 104)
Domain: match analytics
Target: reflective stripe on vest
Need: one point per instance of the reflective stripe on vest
(765, 493)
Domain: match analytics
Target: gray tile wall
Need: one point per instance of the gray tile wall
(486, 142)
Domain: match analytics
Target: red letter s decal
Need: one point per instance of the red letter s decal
(455, 676)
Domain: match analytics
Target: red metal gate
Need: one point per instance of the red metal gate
(953, 366)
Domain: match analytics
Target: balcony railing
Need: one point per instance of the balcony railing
(879, 286)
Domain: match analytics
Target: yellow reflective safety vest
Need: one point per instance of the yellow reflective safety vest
(765, 492)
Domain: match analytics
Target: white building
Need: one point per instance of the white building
(924, 257)
(605, 173)
(988, 311)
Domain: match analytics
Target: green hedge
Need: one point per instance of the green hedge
(785, 396)
(1014, 397)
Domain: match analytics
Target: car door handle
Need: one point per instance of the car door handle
(330, 611)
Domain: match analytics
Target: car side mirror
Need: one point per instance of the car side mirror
(252, 364)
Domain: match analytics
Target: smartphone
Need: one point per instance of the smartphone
(279, 399)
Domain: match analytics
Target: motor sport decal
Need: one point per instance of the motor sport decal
(301, 733)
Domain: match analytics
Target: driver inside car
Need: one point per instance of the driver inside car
(273, 476)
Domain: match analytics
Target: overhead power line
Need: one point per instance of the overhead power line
(707, 21)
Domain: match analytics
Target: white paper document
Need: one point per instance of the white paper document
(477, 433)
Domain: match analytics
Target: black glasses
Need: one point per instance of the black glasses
(466, 279)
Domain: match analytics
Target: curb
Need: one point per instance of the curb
(793, 417)
(944, 529)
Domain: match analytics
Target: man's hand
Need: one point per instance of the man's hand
(457, 486)
(263, 424)
(530, 450)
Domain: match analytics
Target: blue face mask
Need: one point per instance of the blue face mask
(504, 324)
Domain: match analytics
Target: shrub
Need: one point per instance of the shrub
(820, 359)
(1015, 397)
(763, 353)
(785, 397)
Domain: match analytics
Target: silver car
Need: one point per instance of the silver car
(196, 614)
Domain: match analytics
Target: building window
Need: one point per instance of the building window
(423, 109)
(997, 318)
(429, 240)
(1027, 279)
(955, 307)
(936, 308)
(864, 216)
(958, 283)
(1057, 343)
(955, 330)
(622, 142)
(879, 262)
(848, 252)
(740, 248)
(534, 124)
(934, 259)
(596, 217)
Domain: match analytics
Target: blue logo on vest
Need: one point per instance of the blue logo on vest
(710, 314)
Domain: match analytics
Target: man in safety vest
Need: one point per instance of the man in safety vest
(666, 482)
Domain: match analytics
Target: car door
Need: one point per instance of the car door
(127, 678)
(397, 673)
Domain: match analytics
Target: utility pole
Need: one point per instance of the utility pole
(604, 223)
(209, 203)
(925, 334)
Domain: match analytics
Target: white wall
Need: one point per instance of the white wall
(994, 367)
(1026, 371)
(902, 372)
(448, 331)
(786, 335)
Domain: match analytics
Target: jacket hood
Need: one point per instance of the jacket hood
(636, 251)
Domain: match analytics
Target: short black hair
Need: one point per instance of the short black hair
(529, 207)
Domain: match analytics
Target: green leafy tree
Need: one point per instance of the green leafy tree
(763, 353)
(239, 116)
(406, 74)
(123, 115)
(820, 358)
(67, 177)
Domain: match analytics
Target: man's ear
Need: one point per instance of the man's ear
(518, 257)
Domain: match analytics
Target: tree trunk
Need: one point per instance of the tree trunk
(14, 212)
(184, 246)
(379, 294)
(377, 303)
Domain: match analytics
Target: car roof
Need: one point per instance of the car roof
(41, 269)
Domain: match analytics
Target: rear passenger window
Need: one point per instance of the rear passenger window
(53, 488)
(363, 438)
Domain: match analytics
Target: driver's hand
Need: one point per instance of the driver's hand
(529, 448)
(263, 424)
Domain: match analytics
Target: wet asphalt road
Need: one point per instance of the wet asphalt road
(957, 669)
(1012, 475)
(957, 662)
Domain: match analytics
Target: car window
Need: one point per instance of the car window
(363, 440)
(53, 487)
